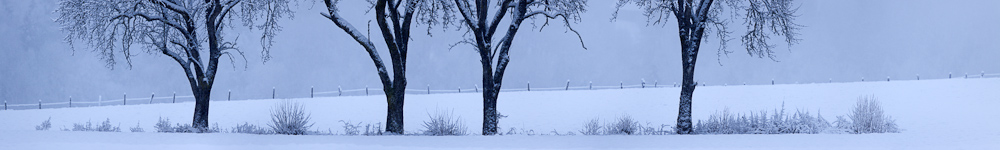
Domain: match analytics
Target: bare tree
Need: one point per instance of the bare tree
(494, 54)
(394, 18)
(171, 28)
(763, 18)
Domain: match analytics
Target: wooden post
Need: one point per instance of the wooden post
(39, 103)
(339, 91)
(476, 86)
(311, 90)
(567, 84)
(366, 90)
(230, 96)
(175, 98)
(529, 85)
(886, 78)
(591, 85)
(272, 92)
(71, 101)
(151, 97)
(621, 84)
(655, 83)
(643, 83)
(460, 89)
(428, 89)
(918, 76)
(772, 81)
(123, 99)
(4, 105)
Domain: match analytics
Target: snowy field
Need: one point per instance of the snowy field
(934, 114)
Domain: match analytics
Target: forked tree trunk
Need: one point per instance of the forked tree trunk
(690, 36)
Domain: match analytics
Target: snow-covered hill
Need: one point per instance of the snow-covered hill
(934, 114)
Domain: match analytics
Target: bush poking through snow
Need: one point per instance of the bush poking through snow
(288, 117)
(163, 125)
(444, 123)
(103, 127)
(248, 128)
(350, 129)
(136, 128)
(355, 129)
(45, 125)
(592, 127)
(779, 122)
(624, 125)
(868, 117)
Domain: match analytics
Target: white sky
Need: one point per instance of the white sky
(843, 40)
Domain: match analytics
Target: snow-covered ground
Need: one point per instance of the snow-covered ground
(934, 114)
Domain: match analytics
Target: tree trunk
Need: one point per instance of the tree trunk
(684, 125)
(202, 97)
(490, 119)
(394, 110)
(690, 42)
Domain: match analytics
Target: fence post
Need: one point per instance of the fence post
(428, 89)
(175, 98)
(366, 90)
(675, 84)
(5, 105)
(39, 103)
(124, 95)
(655, 83)
(567, 84)
(918, 76)
(151, 97)
(621, 84)
(643, 84)
(339, 91)
(591, 85)
(886, 78)
(831, 80)
(862, 79)
(229, 97)
(459, 89)
(966, 75)
(529, 85)
(311, 90)
(772, 81)
(982, 74)
(71, 101)
(272, 92)
(476, 86)
(949, 75)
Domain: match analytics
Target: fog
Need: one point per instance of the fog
(843, 41)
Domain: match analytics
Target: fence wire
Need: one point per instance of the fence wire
(367, 91)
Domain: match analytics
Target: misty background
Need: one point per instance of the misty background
(843, 41)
